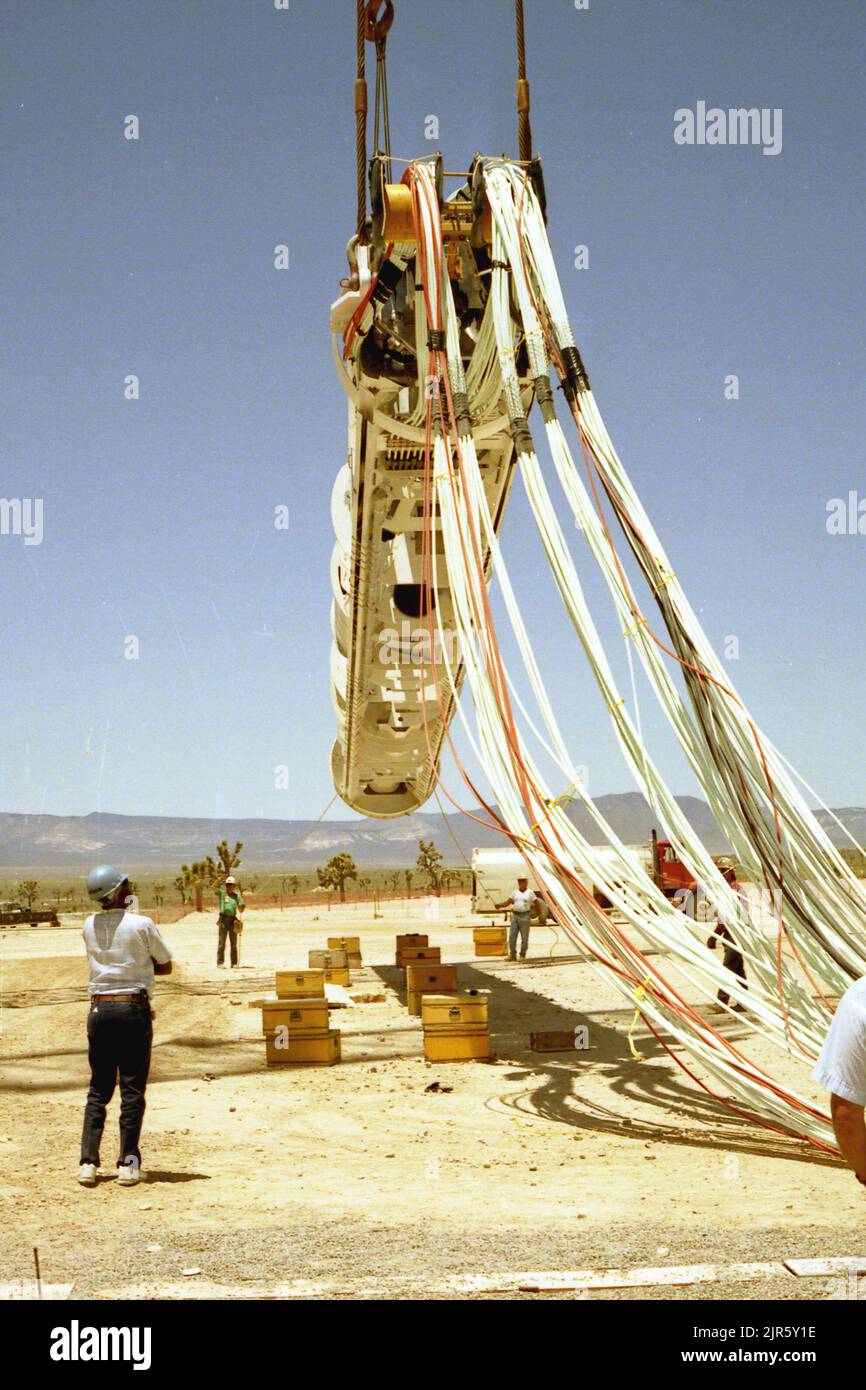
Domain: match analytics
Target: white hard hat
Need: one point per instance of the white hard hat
(231, 879)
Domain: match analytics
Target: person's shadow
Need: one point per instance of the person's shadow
(152, 1175)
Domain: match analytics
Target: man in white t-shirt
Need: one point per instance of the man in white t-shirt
(841, 1067)
(124, 952)
(521, 903)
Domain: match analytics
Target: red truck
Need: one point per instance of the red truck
(666, 869)
(669, 872)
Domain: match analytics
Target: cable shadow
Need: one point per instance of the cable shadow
(554, 1095)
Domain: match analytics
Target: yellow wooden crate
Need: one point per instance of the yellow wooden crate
(457, 1047)
(350, 944)
(337, 977)
(431, 979)
(418, 955)
(299, 984)
(412, 938)
(489, 934)
(440, 1011)
(415, 996)
(485, 949)
(298, 1015)
(423, 978)
(320, 1048)
(328, 960)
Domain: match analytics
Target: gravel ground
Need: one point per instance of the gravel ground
(386, 1176)
(355, 1257)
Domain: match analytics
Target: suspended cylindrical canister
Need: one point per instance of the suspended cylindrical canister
(394, 222)
(396, 213)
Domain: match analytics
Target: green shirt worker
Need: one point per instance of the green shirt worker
(231, 905)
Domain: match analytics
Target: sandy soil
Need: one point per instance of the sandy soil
(357, 1177)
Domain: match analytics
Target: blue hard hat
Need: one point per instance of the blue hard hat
(103, 881)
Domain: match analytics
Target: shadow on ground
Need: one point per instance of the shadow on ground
(553, 1090)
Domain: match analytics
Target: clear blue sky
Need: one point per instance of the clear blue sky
(155, 257)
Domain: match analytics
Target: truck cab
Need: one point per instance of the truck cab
(670, 872)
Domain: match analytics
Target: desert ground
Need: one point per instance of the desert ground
(368, 1180)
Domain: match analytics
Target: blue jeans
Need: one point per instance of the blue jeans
(519, 926)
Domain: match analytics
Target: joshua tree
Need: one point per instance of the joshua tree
(227, 859)
(294, 883)
(159, 894)
(196, 877)
(408, 877)
(429, 861)
(28, 890)
(336, 873)
(452, 879)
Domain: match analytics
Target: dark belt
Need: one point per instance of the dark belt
(137, 997)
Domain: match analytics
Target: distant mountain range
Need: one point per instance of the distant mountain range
(160, 842)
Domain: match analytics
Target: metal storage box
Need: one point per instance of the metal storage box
(328, 960)
(300, 984)
(298, 1015)
(457, 1047)
(320, 1048)
(337, 977)
(417, 955)
(447, 1013)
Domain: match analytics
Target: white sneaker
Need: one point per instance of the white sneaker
(87, 1175)
(129, 1172)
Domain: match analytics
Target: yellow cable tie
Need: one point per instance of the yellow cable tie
(638, 997)
(663, 583)
(552, 805)
(616, 704)
(641, 622)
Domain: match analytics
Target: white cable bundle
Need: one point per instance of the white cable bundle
(467, 531)
(826, 907)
